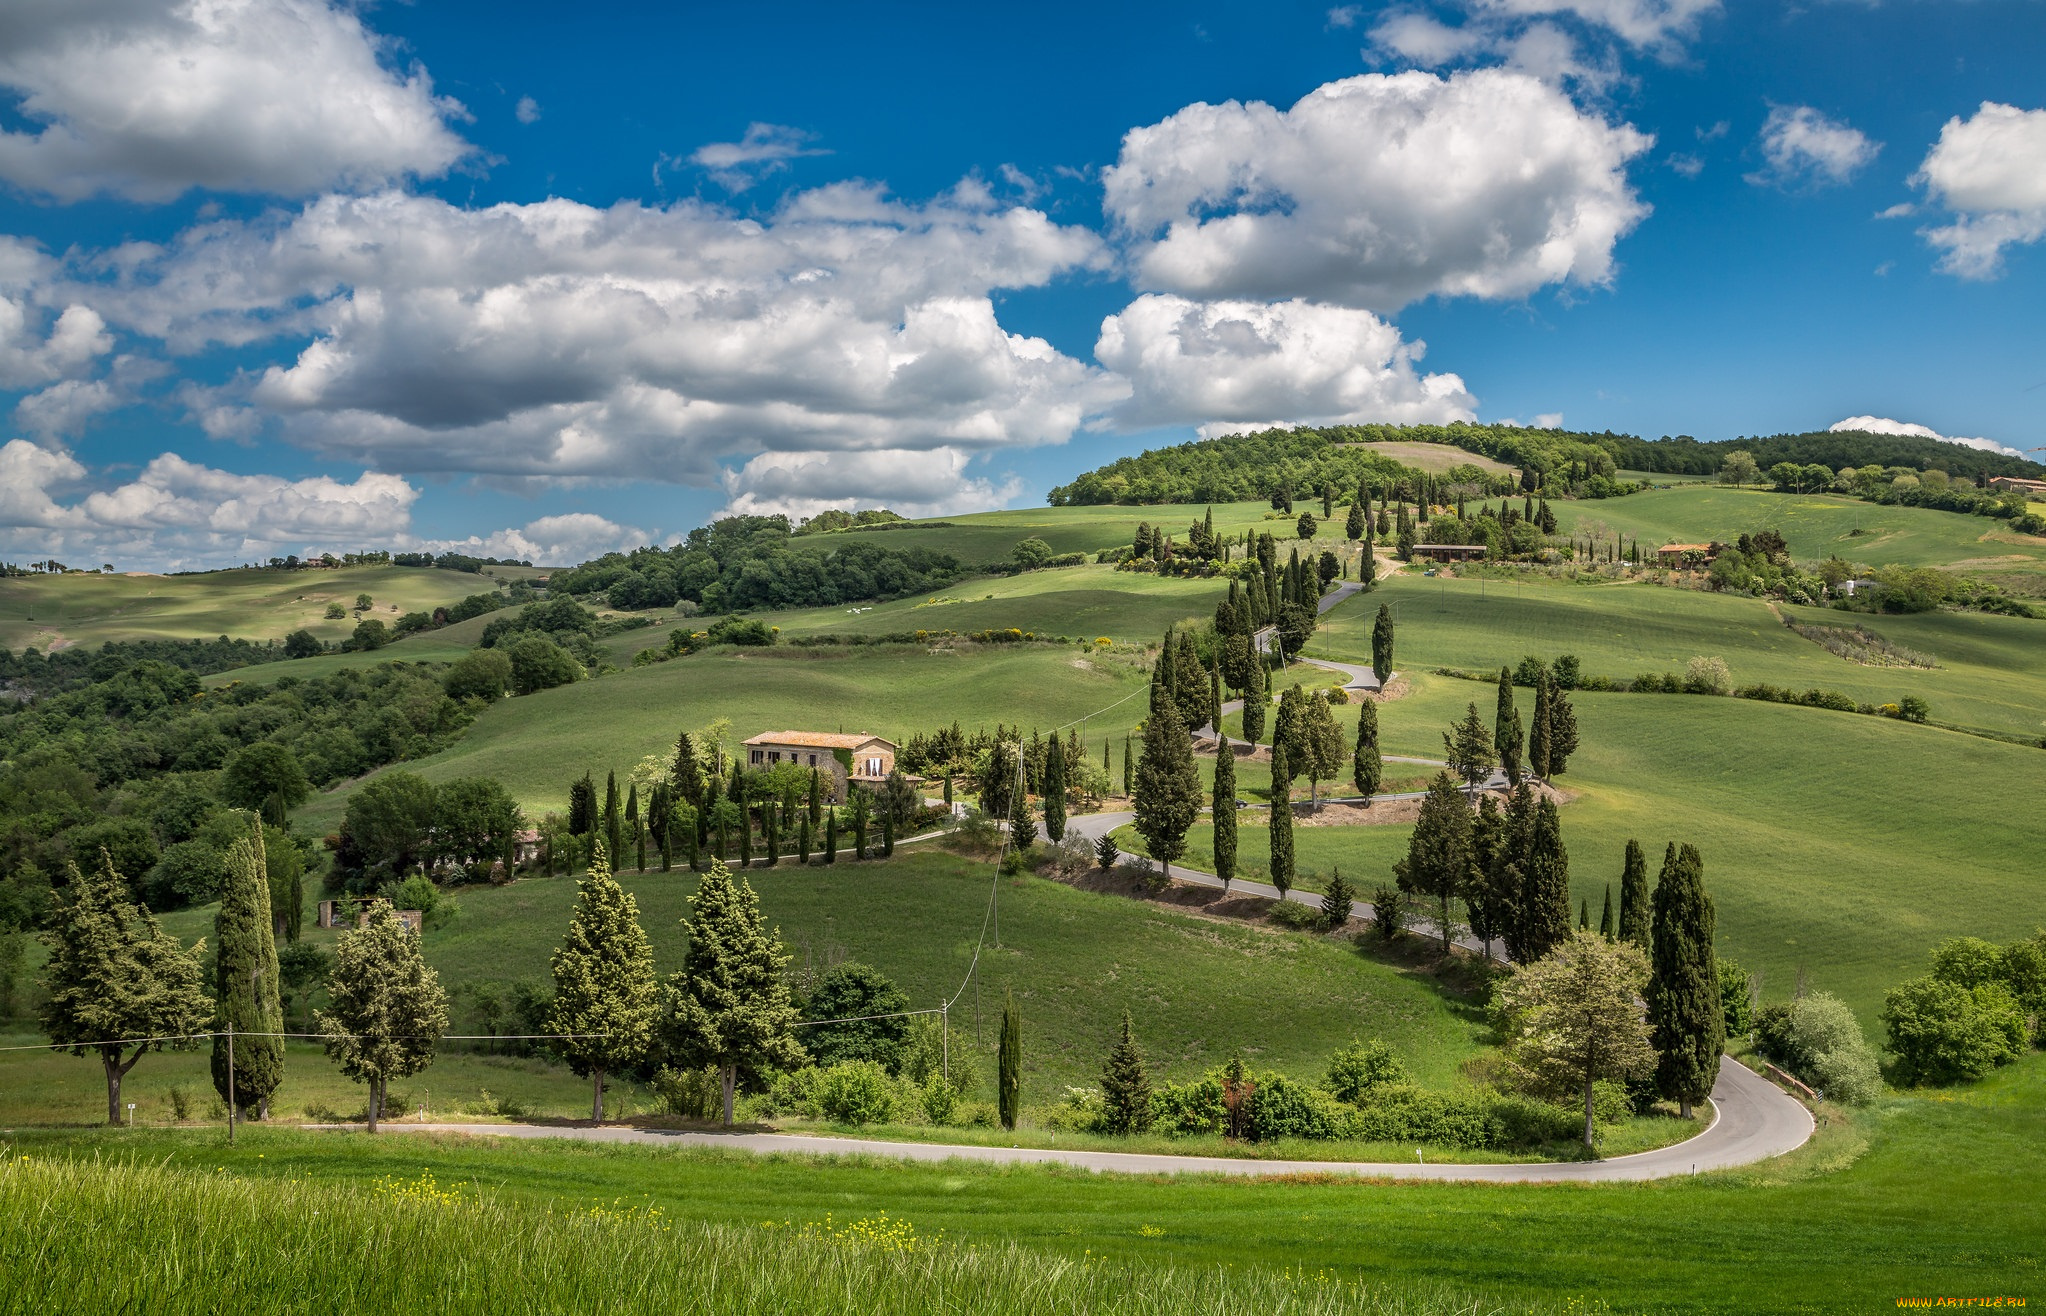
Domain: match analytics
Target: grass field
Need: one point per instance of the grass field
(1816, 526)
(1992, 670)
(1432, 456)
(58, 611)
(1923, 1195)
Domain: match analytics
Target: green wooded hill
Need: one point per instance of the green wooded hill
(1685, 455)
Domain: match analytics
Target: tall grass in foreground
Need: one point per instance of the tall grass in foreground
(105, 1235)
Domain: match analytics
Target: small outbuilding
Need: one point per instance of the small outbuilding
(1685, 555)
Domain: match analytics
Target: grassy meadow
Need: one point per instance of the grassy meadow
(49, 612)
(1921, 1195)
(1815, 525)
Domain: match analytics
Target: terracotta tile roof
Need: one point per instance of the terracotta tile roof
(815, 739)
(1685, 548)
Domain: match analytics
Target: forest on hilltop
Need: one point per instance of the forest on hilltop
(1243, 467)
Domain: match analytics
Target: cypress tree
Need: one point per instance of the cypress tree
(1439, 857)
(614, 822)
(1367, 765)
(729, 1006)
(1055, 793)
(385, 1006)
(1224, 812)
(1634, 912)
(1381, 644)
(745, 837)
(582, 806)
(831, 837)
(1562, 731)
(1009, 1062)
(245, 981)
(1168, 796)
(1022, 830)
(1281, 821)
(1190, 688)
(1584, 914)
(803, 840)
(1605, 919)
(770, 831)
(1337, 901)
(1125, 1087)
(284, 874)
(632, 805)
(860, 818)
(1686, 1015)
(605, 994)
(887, 833)
(1129, 770)
(1164, 680)
(1538, 737)
(1506, 731)
(1215, 699)
(1256, 699)
(1469, 749)
(1488, 896)
(688, 771)
(817, 797)
(1353, 525)
(114, 973)
(1545, 887)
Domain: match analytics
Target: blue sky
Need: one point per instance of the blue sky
(279, 275)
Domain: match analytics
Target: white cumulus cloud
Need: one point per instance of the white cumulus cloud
(551, 541)
(913, 483)
(1378, 190)
(764, 148)
(1990, 170)
(558, 340)
(1233, 365)
(1640, 23)
(1803, 147)
(146, 99)
(1884, 425)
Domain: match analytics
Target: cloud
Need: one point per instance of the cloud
(29, 357)
(764, 149)
(1344, 16)
(551, 541)
(556, 340)
(178, 512)
(1804, 148)
(914, 483)
(1232, 365)
(527, 110)
(1376, 191)
(1883, 425)
(1990, 169)
(146, 100)
(1689, 166)
(64, 407)
(1644, 24)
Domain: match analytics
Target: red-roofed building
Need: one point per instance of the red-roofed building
(844, 758)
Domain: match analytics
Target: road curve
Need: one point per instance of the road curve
(1753, 1121)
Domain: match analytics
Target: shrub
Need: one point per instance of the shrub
(792, 1093)
(1707, 676)
(1388, 912)
(1943, 1033)
(690, 1093)
(1362, 1067)
(938, 1098)
(1080, 1110)
(1189, 1108)
(1293, 914)
(1288, 1108)
(1818, 1038)
(855, 1092)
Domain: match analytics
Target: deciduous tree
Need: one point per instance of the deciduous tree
(113, 974)
(1575, 1016)
(385, 1006)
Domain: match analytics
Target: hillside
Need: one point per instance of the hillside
(80, 608)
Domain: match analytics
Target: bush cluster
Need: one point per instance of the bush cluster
(1971, 1013)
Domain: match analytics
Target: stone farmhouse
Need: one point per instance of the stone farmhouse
(844, 759)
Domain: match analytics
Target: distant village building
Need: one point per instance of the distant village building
(2030, 488)
(845, 759)
(1853, 587)
(526, 845)
(1685, 555)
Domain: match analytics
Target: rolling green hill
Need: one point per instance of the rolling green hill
(78, 608)
(1816, 526)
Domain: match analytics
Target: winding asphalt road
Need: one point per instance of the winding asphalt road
(1753, 1121)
